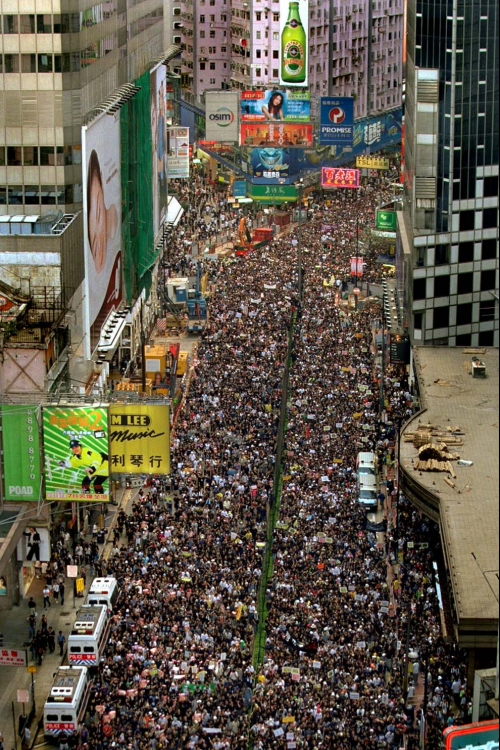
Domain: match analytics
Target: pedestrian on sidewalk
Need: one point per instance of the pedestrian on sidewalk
(32, 625)
(32, 606)
(61, 591)
(61, 640)
(46, 597)
(55, 591)
(51, 640)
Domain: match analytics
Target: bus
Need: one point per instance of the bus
(89, 635)
(64, 709)
(103, 591)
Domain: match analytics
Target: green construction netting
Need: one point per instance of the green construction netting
(139, 254)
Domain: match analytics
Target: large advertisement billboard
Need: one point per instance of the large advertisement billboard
(336, 121)
(222, 116)
(75, 453)
(102, 207)
(178, 153)
(140, 438)
(270, 163)
(21, 453)
(158, 89)
(294, 43)
(277, 134)
(284, 106)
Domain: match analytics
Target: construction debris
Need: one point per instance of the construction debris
(438, 451)
(433, 465)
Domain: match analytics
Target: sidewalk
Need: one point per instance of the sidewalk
(14, 626)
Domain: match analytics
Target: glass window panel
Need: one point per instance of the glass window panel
(28, 63)
(48, 194)
(27, 23)
(44, 23)
(11, 64)
(30, 156)
(15, 195)
(14, 156)
(45, 63)
(31, 197)
(2, 156)
(47, 156)
(10, 24)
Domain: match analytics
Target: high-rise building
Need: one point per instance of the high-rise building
(355, 49)
(55, 67)
(449, 226)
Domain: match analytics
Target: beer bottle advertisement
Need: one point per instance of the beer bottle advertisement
(294, 18)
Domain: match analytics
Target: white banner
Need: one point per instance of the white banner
(178, 153)
(222, 111)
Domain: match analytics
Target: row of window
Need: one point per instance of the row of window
(57, 23)
(40, 156)
(35, 195)
(464, 317)
(65, 63)
(465, 284)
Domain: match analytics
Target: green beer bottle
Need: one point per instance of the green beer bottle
(293, 47)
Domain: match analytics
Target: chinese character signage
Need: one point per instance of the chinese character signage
(277, 134)
(75, 447)
(10, 657)
(281, 106)
(140, 438)
(273, 193)
(178, 153)
(372, 162)
(21, 453)
(480, 736)
(386, 220)
(339, 178)
(336, 121)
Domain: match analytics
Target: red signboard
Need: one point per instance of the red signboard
(10, 657)
(333, 177)
(277, 134)
(483, 736)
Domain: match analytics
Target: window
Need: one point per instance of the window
(418, 320)
(276, 73)
(14, 156)
(15, 195)
(489, 249)
(10, 24)
(258, 72)
(212, 81)
(490, 218)
(488, 280)
(202, 18)
(47, 156)
(11, 64)
(202, 34)
(441, 317)
(28, 63)
(212, 34)
(487, 310)
(464, 314)
(490, 189)
(464, 283)
(212, 66)
(466, 252)
(418, 289)
(442, 255)
(258, 54)
(441, 286)
(464, 339)
(2, 151)
(258, 35)
(30, 156)
(486, 338)
(466, 220)
(202, 66)
(258, 16)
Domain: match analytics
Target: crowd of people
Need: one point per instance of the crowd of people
(181, 669)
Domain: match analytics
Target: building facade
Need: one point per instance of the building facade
(355, 49)
(449, 227)
(55, 67)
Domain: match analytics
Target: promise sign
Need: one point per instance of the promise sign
(139, 436)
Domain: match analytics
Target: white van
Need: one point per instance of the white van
(64, 709)
(366, 464)
(103, 591)
(367, 491)
(88, 637)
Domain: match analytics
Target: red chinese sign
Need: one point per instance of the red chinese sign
(276, 134)
(10, 657)
(332, 177)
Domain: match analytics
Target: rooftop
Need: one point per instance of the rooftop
(469, 511)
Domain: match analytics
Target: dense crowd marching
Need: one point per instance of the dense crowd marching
(179, 670)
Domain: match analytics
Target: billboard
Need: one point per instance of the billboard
(277, 134)
(102, 210)
(158, 99)
(372, 162)
(294, 43)
(140, 438)
(239, 188)
(177, 153)
(386, 220)
(284, 106)
(339, 178)
(75, 453)
(370, 135)
(21, 453)
(336, 121)
(270, 163)
(222, 116)
(273, 193)
(480, 736)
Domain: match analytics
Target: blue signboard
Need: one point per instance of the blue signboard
(270, 163)
(239, 188)
(336, 121)
(370, 136)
